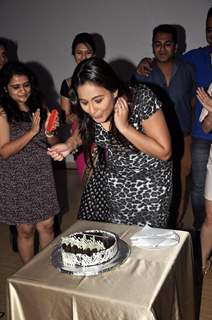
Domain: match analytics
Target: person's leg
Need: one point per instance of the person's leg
(185, 171)
(13, 237)
(26, 241)
(46, 231)
(199, 153)
(206, 235)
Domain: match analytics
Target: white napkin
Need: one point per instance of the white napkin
(154, 237)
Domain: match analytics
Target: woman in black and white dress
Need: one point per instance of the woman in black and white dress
(128, 122)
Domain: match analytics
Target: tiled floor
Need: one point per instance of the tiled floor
(69, 194)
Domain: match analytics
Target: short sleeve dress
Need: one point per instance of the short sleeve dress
(79, 156)
(27, 187)
(138, 186)
(65, 87)
(94, 200)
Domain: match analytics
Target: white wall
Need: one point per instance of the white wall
(45, 29)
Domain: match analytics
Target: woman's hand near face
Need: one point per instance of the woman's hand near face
(121, 112)
(154, 141)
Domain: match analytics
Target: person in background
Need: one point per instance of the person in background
(129, 124)
(3, 53)
(27, 190)
(175, 79)
(201, 60)
(206, 230)
(83, 47)
(90, 169)
(3, 61)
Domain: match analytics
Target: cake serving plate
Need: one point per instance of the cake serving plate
(121, 256)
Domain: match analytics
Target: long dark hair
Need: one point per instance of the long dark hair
(8, 104)
(98, 72)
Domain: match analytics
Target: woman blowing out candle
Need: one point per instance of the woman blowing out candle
(129, 124)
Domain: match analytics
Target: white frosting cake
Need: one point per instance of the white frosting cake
(88, 248)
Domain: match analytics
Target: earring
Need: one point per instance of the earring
(115, 94)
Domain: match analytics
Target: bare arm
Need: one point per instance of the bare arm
(155, 140)
(66, 107)
(205, 99)
(207, 123)
(144, 67)
(61, 150)
(193, 102)
(51, 138)
(8, 147)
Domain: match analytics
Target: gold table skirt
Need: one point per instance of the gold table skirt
(153, 284)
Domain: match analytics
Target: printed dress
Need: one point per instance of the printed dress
(27, 188)
(138, 187)
(94, 200)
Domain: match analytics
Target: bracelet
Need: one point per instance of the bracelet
(74, 151)
(49, 135)
(74, 145)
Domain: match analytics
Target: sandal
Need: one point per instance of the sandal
(206, 268)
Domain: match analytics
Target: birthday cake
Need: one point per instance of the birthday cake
(88, 248)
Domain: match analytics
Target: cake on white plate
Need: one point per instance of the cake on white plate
(88, 248)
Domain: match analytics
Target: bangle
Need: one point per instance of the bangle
(74, 151)
(49, 135)
(74, 146)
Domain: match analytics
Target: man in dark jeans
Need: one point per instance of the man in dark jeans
(201, 59)
(172, 80)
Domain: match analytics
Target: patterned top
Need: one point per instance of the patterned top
(139, 185)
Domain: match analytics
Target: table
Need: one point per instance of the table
(152, 284)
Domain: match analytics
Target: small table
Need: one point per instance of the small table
(152, 284)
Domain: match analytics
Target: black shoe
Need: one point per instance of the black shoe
(13, 238)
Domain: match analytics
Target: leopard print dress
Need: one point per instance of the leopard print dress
(138, 187)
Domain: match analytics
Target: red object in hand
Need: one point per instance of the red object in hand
(52, 122)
